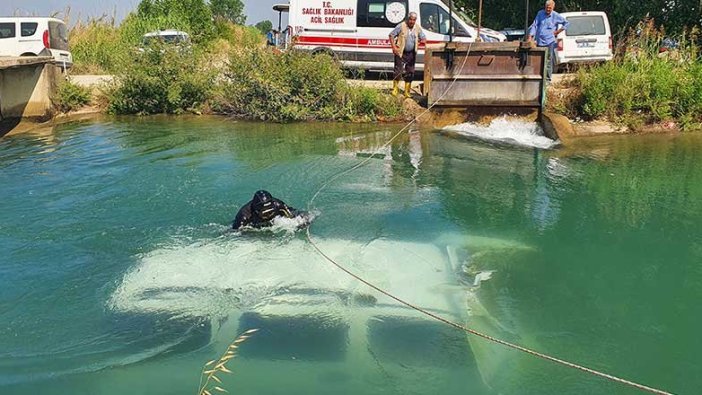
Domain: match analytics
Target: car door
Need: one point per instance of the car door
(30, 37)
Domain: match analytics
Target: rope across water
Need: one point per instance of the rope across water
(433, 315)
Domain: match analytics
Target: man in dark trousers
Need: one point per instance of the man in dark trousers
(261, 211)
(405, 39)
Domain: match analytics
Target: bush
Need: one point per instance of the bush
(162, 79)
(96, 46)
(70, 96)
(238, 36)
(295, 86)
(643, 85)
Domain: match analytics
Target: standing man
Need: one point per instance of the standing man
(547, 25)
(271, 38)
(405, 39)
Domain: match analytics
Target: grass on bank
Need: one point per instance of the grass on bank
(70, 97)
(642, 85)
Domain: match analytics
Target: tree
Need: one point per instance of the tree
(674, 15)
(231, 10)
(264, 26)
(193, 16)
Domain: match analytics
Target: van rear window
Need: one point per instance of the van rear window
(58, 36)
(7, 30)
(586, 26)
(28, 28)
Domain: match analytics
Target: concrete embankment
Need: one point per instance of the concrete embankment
(27, 85)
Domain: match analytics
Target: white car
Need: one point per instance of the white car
(588, 39)
(35, 36)
(167, 36)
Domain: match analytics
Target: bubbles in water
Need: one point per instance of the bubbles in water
(520, 133)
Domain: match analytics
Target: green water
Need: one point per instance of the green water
(118, 275)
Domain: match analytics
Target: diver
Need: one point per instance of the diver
(261, 210)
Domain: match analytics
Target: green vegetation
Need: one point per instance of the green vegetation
(675, 16)
(296, 86)
(643, 86)
(163, 79)
(230, 10)
(226, 69)
(192, 16)
(101, 46)
(70, 96)
(264, 26)
(97, 46)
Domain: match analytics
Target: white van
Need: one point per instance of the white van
(356, 31)
(35, 36)
(588, 39)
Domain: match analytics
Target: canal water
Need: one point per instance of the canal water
(118, 273)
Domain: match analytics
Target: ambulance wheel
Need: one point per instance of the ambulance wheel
(324, 51)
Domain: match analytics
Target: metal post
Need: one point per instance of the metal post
(524, 45)
(480, 19)
(280, 21)
(526, 21)
(450, 21)
(450, 50)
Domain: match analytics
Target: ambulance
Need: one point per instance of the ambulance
(356, 31)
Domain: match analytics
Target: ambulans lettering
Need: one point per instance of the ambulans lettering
(383, 43)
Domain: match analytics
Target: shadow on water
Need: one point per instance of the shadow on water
(8, 125)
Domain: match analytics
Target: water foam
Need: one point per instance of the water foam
(502, 130)
(286, 225)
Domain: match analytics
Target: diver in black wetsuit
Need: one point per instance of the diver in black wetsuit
(261, 211)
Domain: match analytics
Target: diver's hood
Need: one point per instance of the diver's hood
(262, 204)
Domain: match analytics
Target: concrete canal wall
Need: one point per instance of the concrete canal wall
(26, 87)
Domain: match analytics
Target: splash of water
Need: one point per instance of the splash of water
(286, 225)
(502, 130)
